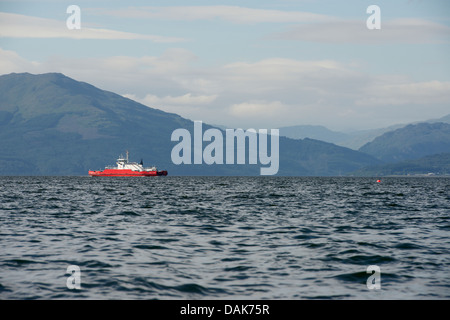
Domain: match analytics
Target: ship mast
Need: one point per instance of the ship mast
(127, 156)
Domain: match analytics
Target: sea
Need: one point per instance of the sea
(198, 238)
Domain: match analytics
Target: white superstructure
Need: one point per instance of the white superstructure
(123, 163)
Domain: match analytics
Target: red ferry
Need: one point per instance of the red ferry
(127, 169)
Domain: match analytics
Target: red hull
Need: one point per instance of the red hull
(126, 173)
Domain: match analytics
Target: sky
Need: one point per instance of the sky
(249, 64)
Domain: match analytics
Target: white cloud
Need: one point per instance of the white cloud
(233, 14)
(311, 27)
(397, 31)
(278, 74)
(263, 94)
(10, 62)
(186, 99)
(431, 92)
(21, 26)
(261, 111)
(257, 108)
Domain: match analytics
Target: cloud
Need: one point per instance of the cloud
(21, 26)
(10, 62)
(268, 93)
(279, 73)
(311, 27)
(430, 92)
(162, 75)
(187, 105)
(186, 99)
(397, 31)
(233, 14)
(262, 111)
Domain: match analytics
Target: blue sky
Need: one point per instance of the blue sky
(260, 64)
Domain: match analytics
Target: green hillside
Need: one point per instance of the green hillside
(54, 125)
(411, 142)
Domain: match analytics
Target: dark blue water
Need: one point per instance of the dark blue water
(224, 237)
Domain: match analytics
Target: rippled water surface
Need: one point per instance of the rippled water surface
(224, 237)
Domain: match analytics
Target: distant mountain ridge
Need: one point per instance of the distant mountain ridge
(313, 132)
(411, 142)
(353, 140)
(51, 124)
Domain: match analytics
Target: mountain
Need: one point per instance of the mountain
(313, 132)
(51, 124)
(445, 119)
(319, 158)
(356, 139)
(411, 142)
(437, 164)
(353, 140)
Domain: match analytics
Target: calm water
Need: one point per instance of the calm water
(224, 238)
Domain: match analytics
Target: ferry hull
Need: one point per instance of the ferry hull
(126, 173)
(127, 169)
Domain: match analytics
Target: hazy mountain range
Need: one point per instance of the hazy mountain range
(422, 148)
(411, 142)
(51, 124)
(353, 140)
